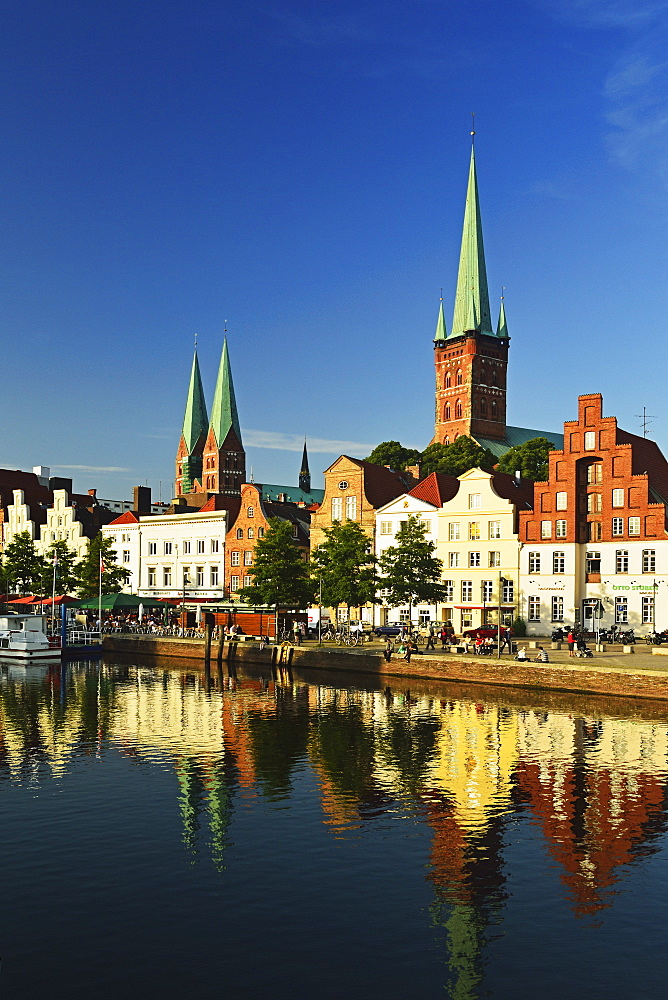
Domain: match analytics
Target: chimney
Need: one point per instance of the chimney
(93, 494)
(141, 499)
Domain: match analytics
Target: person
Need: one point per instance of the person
(505, 641)
(302, 630)
(542, 656)
(522, 654)
(444, 637)
(478, 645)
(297, 633)
(570, 639)
(407, 654)
(264, 641)
(430, 639)
(387, 652)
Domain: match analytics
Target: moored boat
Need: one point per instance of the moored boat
(23, 637)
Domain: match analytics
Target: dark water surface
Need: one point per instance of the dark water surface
(165, 837)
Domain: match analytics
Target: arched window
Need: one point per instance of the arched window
(251, 533)
(448, 380)
(494, 410)
(447, 412)
(447, 440)
(251, 512)
(458, 409)
(459, 377)
(483, 408)
(240, 532)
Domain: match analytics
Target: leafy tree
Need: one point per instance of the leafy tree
(409, 569)
(21, 564)
(456, 458)
(87, 570)
(346, 566)
(530, 459)
(392, 453)
(66, 577)
(279, 574)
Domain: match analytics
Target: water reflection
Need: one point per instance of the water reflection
(593, 787)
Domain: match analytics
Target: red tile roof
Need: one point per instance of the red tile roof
(436, 489)
(128, 517)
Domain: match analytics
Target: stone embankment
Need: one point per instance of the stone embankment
(604, 675)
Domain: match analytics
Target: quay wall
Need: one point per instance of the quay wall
(589, 678)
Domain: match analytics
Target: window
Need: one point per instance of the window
(546, 529)
(561, 501)
(240, 532)
(494, 529)
(487, 591)
(250, 512)
(234, 583)
(168, 549)
(618, 498)
(560, 529)
(621, 610)
(167, 577)
(649, 561)
(495, 559)
(474, 501)
(593, 562)
(453, 531)
(126, 555)
(590, 440)
(151, 576)
(186, 576)
(474, 558)
(199, 576)
(557, 609)
(248, 581)
(594, 503)
(559, 562)
(186, 548)
(251, 534)
(260, 532)
(467, 590)
(200, 546)
(337, 508)
(634, 526)
(448, 380)
(595, 472)
(295, 531)
(621, 561)
(458, 409)
(449, 590)
(214, 576)
(427, 526)
(595, 531)
(453, 561)
(508, 592)
(447, 405)
(534, 562)
(214, 543)
(459, 377)
(474, 531)
(618, 525)
(386, 527)
(235, 559)
(648, 610)
(534, 609)
(248, 557)
(153, 548)
(351, 508)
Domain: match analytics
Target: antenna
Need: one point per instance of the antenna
(645, 419)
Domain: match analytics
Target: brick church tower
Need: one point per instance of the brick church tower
(471, 360)
(223, 455)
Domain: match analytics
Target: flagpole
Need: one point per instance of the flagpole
(53, 595)
(99, 596)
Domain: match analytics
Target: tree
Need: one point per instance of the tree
(279, 574)
(345, 565)
(409, 569)
(21, 564)
(66, 577)
(392, 453)
(530, 459)
(456, 458)
(87, 570)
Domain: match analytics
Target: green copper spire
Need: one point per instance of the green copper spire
(441, 331)
(224, 410)
(472, 276)
(195, 421)
(502, 328)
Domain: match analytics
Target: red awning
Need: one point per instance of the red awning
(60, 599)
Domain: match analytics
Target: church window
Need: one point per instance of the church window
(447, 440)
(483, 408)
(494, 410)
(447, 411)
(458, 409)
(459, 377)
(448, 380)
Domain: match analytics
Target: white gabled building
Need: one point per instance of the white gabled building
(170, 553)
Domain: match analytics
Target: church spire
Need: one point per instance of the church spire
(195, 420)
(472, 296)
(502, 327)
(224, 417)
(304, 474)
(441, 331)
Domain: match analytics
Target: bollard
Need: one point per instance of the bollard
(207, 645)
(219, 651)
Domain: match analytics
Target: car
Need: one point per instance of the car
(486, 632)
(383, 631)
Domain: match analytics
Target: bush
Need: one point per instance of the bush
(519, 627)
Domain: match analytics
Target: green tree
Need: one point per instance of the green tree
(22, 566)
(279, 574)
(409, 569)
(530, 459)
(87, 570)
(66, 577)
(392, 453)
(456, 458)
(345, 564)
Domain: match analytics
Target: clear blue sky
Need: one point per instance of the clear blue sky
(299, 170)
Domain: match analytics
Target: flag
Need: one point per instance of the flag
(101, 565)
(55, 558)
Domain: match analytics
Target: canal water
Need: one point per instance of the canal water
(169, 835)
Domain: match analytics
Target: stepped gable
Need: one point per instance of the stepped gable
(380, 483)
(519, 491)
(647, 460)
(437, 488)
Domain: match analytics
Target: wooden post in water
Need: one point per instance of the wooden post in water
(207, 643)
(221, 645)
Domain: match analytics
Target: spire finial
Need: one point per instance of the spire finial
(441, 295)
(473, 128)
(195, 341)
(503, 292)
(225, 327)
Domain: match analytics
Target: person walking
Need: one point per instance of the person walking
(407, 654)
(387, 652)
(570, 639)
(297, 633)
(430, 639)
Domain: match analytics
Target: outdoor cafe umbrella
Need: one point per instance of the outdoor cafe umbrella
(60, 599)
(119, 602)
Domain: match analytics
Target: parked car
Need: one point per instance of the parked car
(388, 630)
(486, 632)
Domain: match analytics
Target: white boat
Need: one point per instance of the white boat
(24, 638)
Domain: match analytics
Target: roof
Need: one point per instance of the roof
(224, 416)
(293, 494)
(380, 483)
(195, 420)
(647, 458)
(129, 517)
(472, 297)
(436, 489)
(518, 491)
(516, 436)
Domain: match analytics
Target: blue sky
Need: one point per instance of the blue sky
(299, 170)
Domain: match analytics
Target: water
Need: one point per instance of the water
(302, 838)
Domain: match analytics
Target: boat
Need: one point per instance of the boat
(24, 638)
